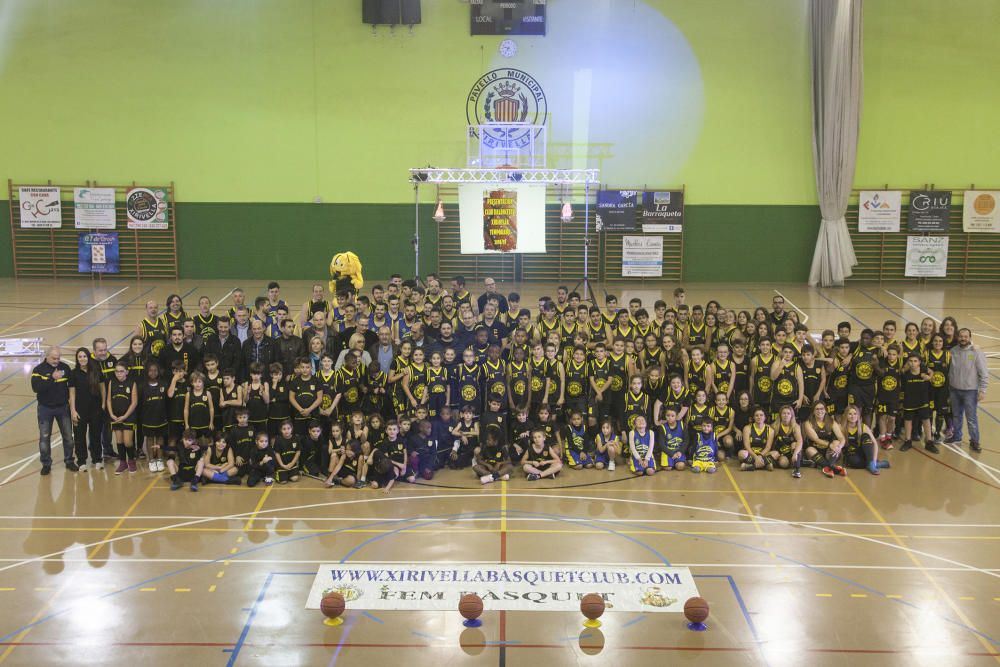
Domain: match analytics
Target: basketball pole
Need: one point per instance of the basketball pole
(588, 292)
(416, 230)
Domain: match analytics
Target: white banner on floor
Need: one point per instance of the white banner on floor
(396, 586)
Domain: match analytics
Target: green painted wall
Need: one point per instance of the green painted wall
(930, 94)
(292, 241)
(749, 243)
(255, 109)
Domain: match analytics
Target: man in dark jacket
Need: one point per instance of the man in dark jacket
(317, 327)
(176, 348)
(50, 382)
(225, 346)
(288, 347)
(257, 348)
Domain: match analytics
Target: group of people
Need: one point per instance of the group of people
(373, 389)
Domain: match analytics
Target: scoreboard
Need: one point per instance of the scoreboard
(508, 17)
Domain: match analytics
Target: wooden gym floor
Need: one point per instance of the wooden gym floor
(903, 569)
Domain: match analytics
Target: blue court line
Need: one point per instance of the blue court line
(33, 401)
(445, 518)
(373, 617)
(756, 303)
(637, 619)
(739, 600)
(841, 309)
(246, 626)
(894, 312)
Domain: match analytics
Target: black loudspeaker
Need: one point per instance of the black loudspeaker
(390, 12)
(409, 13)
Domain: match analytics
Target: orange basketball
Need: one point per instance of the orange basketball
(592, 606)
(696, 610)
(332, 605)
(470, 606)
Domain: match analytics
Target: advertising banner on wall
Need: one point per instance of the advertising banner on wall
(662, 211)
(929, 211)
(642, 256)
(878, 210)
(509, 587)
(94, 208)
(507, 218)
(98, 252)
(980, 212)
(926, 256)
(146, 208)
(616, 210)
(40, 207)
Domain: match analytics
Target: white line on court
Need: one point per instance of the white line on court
(362, 519)
(323, 561)
(805, 316)
(56, 442)
(72, 319)
(226, 296)
(586, 521)
(988, 469)
(936, 319)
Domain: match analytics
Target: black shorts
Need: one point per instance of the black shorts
(890, 408)
(863, 398)
(916, 414)
(154, 431)
(122, 426)
(186, 474)
(837, 404)
(174, 431)
(855, 459)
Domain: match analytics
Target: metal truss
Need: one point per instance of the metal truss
(472, 175)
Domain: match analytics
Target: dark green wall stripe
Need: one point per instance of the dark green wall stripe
(296, 241)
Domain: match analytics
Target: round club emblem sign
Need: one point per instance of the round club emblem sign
(506, 96)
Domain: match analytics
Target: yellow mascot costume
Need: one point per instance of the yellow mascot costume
(345, 273)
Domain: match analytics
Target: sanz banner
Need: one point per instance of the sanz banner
(94, 208)
(98, 252)
(508, 587)
(926, 256)
(502, 218)
(980, 212)
(642, 256)
(662, 211)
(878, 210)
(616, 210)
(40, 207)
(929, 211)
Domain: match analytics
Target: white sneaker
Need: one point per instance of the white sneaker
(611, 466)
(486, 479)
(156, 466)
(99, 465)
(83, 467)
(505, 478)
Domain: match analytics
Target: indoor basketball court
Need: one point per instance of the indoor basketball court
(896, 569)
(444, 257)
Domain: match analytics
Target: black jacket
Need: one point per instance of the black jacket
(51, 393)
(287, 350)
(230, 353)
(252, 352)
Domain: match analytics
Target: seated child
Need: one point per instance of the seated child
(220, 462)
(541, 459)
(640, 443)
(262, 463)
(287, 452)
(705, 449)
(492, 462)
(187, 467)
(607, 446)
(577, 456)
(673, 442)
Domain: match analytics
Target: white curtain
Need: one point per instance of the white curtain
(836, 106)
